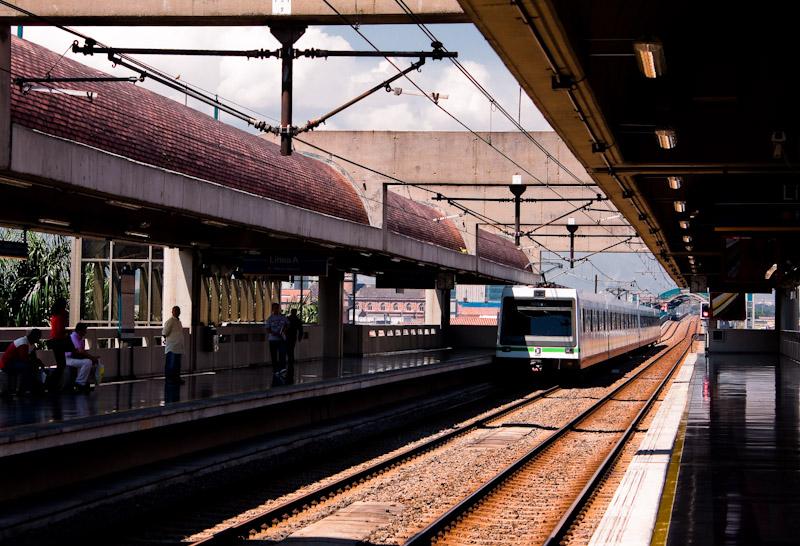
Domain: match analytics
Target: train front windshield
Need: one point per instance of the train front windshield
(550, 319)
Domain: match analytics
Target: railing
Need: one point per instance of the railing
(366, 339)
(240, 345)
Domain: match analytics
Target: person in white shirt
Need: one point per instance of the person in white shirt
(80, 358)
(173, 346)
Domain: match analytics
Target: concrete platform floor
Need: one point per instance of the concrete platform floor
(121, 396)
(739, 479)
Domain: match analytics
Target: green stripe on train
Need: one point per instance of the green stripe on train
(532, 350)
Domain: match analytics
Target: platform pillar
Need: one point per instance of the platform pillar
(5, 97)
(331, 311)
(437, 307)
(787, 312)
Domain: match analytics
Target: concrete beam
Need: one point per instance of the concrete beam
(85, 169)
(5, 96)
(226, 12)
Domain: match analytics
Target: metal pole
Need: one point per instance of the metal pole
(595, 284)
(287, 35)
(355, 282)
(572, 228)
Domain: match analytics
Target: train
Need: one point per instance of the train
(563, 329)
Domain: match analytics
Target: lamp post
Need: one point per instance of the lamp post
(517, 189)
(572, 228)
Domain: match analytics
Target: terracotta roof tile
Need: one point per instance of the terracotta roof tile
(133, 122)
(415, 220)
(501, 250)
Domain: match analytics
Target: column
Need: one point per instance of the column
(331, 311)
(75, 280)
(437, 307)
(5, 97)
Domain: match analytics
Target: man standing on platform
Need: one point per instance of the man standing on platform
(294, 334)
(277, 324)
(173, 347)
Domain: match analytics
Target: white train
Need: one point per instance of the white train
(563, 329)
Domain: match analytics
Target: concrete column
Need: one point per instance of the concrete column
(786, 309)
(5, 97)
(178, 284)
(437, 307)
(331, 311)
(75, 281)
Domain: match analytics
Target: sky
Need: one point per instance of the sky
(321, 85)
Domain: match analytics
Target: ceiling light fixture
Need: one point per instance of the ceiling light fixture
(687, 238)
(680, 206)
(667, 138)
(53, 222)
(689, 248)
(124, 205)
(674, 182)
(214, 223)
(770, 271)
(15, 183)
(137, 234)
(684, 224)
(650, 58)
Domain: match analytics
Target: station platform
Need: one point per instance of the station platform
(139, 422)
(739, 474)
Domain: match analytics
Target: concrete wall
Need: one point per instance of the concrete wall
(742, 341)
(227, 12)
(458, 156)
(364, 340)
(472, 337)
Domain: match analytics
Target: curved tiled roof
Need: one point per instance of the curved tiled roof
(413, 219)
(133, 122)
(501, 250)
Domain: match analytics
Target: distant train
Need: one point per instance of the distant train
(563, 329)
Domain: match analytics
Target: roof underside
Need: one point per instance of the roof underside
(726, 92)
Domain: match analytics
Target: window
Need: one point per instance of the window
(101, 264)
(536, 318)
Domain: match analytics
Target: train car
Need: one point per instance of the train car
(563, 329)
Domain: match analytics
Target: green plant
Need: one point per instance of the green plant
(29, 287)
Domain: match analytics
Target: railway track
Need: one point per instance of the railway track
(297, 506)
(537, 498)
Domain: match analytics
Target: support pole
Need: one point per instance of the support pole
(5, 97)
(287, 35)
(572, 228)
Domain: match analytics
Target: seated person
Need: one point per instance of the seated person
(79, 358)
(19, 359)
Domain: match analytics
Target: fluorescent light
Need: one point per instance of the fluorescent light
(689, 248)
(680, 206)
(15, 183)
(667, 138)
(770, 271)
(137, 234)
(214, 223)
(684, 224)
(53, 222)
(674, 182)
(396, 260)
(124, 205)
(687, 238)
(650, 58)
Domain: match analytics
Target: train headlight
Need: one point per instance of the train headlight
(569, 350)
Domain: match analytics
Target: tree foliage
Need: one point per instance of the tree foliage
(29, 287)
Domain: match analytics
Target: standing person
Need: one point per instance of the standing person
(294, 334)
(19, 359)
(59, 341)
(173, 347)
(276, 328)
(78, 357)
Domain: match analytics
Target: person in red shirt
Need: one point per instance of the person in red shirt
(59, 341)
(19, 359)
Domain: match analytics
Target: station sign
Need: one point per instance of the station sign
(286, 264)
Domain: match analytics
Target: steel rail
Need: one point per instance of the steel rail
(437, 527)
(583, 498)
(240, 531)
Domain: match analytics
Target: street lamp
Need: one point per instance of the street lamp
(572, 228)
(517, 189)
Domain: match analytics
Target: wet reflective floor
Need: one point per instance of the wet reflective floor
(739, 480)
(119, 396)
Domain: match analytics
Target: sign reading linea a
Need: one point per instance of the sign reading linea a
(287, 264)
